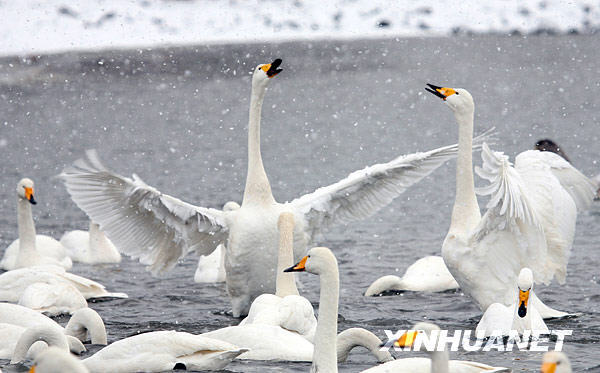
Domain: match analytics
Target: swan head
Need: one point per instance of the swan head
(407, 339)
(555, 362)
(459, 100)
(547, 145)
(25, 190)
(263, 72)
(318, 261)
(525, 284)
(55, 360)
(231, 206)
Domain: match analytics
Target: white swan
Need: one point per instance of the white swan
(31, 249)
(286, 308)
(50, 335)
(92, 247)
(159, 229)
(162, 351)
(14, 283)
(530, 219)
(438, 361)
(519, 316)
(555, 362)
(52, 299)
(321, 261)
(10, 334)
(55, 360)
(428, 274)
(85, 324)
(211, 268)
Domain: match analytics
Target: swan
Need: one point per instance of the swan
(31, 249)
(55, 360)
(555, 362)
(322, 262)
(90, 247)
(85, 324)
(530, 221)
(159, 229)
(50, 335)
(10, 335)
(428, 274)
(438, 361)
(52, 299)
(286, 308)
(211, 268)
(519, 316)
(14, 283)
(161, 351)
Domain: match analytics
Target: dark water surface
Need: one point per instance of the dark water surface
(178, 117)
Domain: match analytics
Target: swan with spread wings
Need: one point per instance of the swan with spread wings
(159, 229)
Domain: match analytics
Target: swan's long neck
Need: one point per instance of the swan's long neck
(87, 321)
(258, 189)
(51, 335)
(26, 227)
(465, 214)
(98, 247)
(439, 361)
(354, 337)
(325, 352)
(285, 283)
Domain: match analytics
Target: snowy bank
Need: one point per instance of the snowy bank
(32, 27)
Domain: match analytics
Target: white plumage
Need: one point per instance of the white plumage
(159, 229)
(530, 221)
(90, 246)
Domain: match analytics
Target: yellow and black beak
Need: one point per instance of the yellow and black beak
(298, 267)
(407, 339)
(29, 195)
(548, 368)
(441, 92)
(272, 69)
(523, 301)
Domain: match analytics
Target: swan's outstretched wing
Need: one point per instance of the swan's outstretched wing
(364, 192)
(140, 220)
(521, 227)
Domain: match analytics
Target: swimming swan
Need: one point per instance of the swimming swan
(85, 324)
(162, 351)
(159, 229)
(286, 308)
(92, 247)
(55, 360)
(14, 283)
(428, 274)
(52, 299)
(321, 261)
(519, 316)
(438, 361)
(555, 362)
(530, 221)
(31, 249)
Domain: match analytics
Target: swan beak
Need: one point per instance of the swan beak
(29, 195)
(272, 68)
(441, 92)
(523, 301)
(548, 368)
(407, 339)
(298, 267)
(32, 369)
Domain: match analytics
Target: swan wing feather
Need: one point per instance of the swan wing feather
(140, 220)
(366, 191)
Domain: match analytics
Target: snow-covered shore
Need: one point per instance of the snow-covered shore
(31, 27)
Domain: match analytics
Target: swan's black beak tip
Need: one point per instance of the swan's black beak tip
(32, 201)
(435, 90)
(274, 69)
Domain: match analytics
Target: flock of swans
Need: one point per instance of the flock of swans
(524, 238)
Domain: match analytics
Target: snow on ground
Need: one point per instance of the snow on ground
(44, 26)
